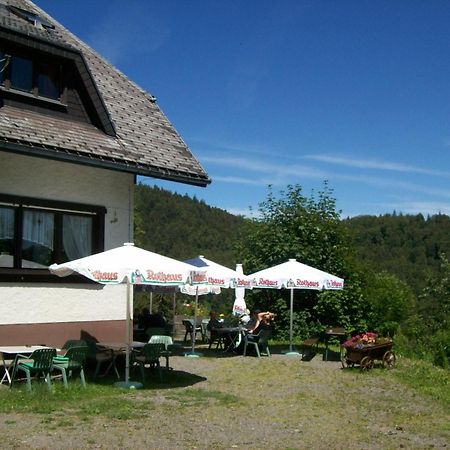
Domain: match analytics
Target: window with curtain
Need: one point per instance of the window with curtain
(6, 237)
(34, 237)
(77, 236)
(38, 231)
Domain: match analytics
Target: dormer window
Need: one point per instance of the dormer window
(36, 76)
(32, 18)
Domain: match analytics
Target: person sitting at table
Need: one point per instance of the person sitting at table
(156, 320)
(214, 322)
(260, 320)
(143, 318)
(213, 325)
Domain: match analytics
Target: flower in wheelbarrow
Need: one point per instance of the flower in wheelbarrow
(361, 340)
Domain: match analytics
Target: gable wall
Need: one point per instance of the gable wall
(96, 309)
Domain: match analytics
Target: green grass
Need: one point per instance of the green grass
(232, 402)
(424, 378)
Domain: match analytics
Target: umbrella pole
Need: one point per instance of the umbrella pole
(192, 353)
(151, 302)
(291, 351)
(127, 384)
(291, 325)
(174, 312)
(195, 320)
(127, 327)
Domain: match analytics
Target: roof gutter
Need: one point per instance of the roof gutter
(64, 155)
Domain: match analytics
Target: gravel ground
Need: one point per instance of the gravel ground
(235, 402)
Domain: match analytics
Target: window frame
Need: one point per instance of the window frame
(59, 208)
(37, 60)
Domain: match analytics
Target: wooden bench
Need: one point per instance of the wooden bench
(309, 346)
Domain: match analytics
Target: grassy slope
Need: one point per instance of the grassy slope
(232, 402)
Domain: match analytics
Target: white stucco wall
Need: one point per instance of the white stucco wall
(47, 303)
(47, 179)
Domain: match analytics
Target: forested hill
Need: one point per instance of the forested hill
(405, 245)
(183, 227)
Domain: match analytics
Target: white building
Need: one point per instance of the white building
(74, 133)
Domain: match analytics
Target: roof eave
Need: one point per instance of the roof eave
(76, 157)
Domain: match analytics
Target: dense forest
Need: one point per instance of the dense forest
(396, 267)
(183, 227)
(405, 245)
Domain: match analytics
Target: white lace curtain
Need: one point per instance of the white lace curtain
(6, 223)
(38, 232)
(38, 228)
(77, 236)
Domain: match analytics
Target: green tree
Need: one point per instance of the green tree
(392, 302)
(426, 334)
(434, 303)
(307, 229)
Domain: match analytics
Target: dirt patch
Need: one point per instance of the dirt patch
(232, 402)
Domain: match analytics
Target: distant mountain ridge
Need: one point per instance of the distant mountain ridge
(407, 246)
(182, 227)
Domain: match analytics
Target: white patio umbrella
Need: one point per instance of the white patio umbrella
(295, 275)
(239, 306)
(131, 265)
(210, 275)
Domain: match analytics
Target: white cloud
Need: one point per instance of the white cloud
(373, 164)
(256, 165)
(395, 184)
(240, 180)
(281, 175)
(238, 147)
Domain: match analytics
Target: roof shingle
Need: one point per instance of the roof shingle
(146, 143)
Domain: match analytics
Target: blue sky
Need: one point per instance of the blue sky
(292, 92)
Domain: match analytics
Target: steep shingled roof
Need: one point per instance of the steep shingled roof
(145, 142)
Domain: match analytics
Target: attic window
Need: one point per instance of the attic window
(35, 76)
(35, 19)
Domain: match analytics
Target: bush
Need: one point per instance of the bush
(440, 346)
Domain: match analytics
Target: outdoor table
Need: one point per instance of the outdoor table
(118, 348)
(233, 334)
(15, 350)
(338, 332)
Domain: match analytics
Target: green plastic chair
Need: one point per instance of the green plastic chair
(39, 362)
(148, 355)
(189, 327)
(167, 341)
(74, 359)
(259, 341)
